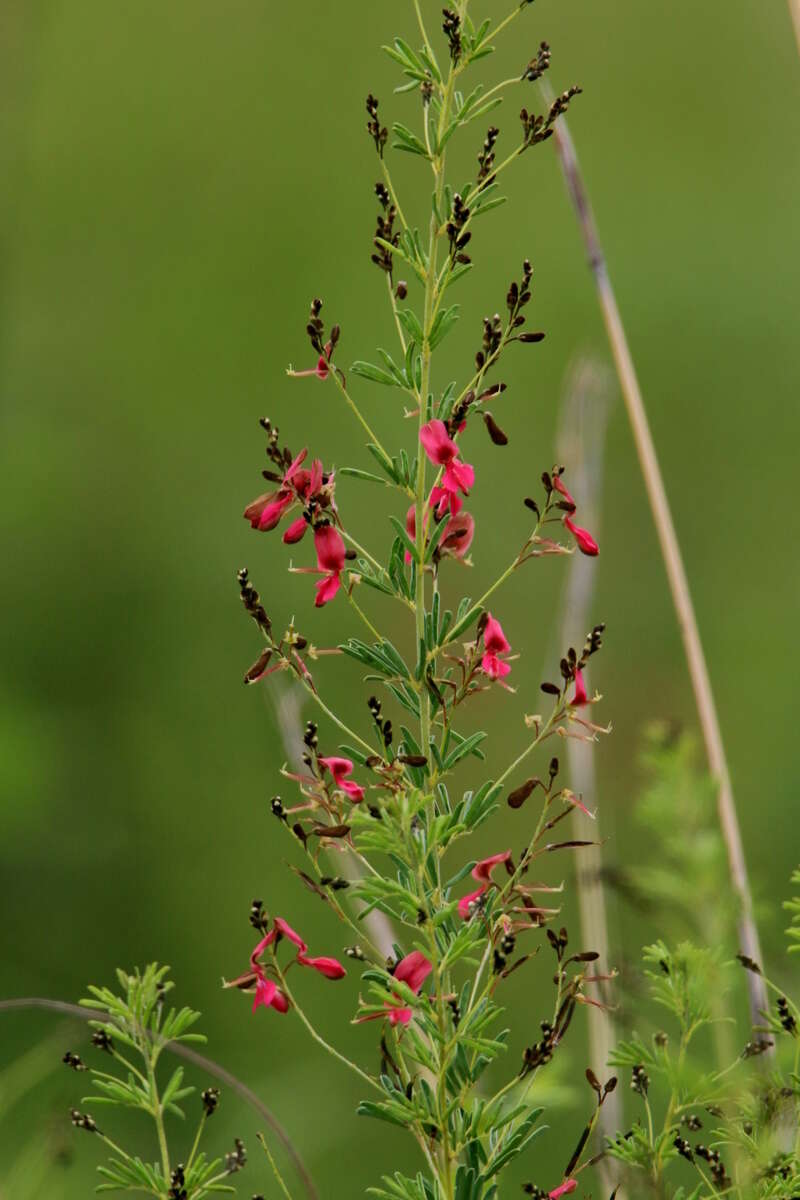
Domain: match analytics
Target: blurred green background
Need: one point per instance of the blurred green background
(178, 181)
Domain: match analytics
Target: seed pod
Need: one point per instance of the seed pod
(495, 432)
(517, 798)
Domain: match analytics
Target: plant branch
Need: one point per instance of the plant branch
(670, 550)
(199, 1060)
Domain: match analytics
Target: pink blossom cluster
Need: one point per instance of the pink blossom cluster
(268, 994)
(313, 490)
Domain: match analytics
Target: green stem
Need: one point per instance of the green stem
(332, 716)
(373, 437)
(319, 1039)
(274, 1166)
(196, 1142)
(158, 1116)
(354, 603)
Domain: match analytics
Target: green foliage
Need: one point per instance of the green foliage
(749, 1116)
(793, 906)
(677, 812)
(139, 1018)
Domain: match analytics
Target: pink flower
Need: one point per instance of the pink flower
(298, 483)
(412, 970)
(340, 768)
(458, 534)
(331, 968)
(563, 1189)
(443, 452)
(308, 483)
(437, 443)
(441, 500)
(265, 512)
(330, 548)
(296, 531)
(561, 487)
(321, 370)
(580, 696)
(269, 995)
(484, 868)
(482, 871)
(285, 930)
(586, 543)
(465, 904)
(495, 643)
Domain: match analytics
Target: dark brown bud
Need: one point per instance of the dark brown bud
(495, 432)
(517, 798)
(254, 673)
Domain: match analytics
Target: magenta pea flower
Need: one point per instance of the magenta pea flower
(585, 541)
(495, 643)
(266, 511)
(580, 698)
(443, 452)
(563, 1189)
(321, 370)
(442, 500)
(412, 970)
(330, 548)
(268, 994)
(296, 531)
(484, 868)
(562, 488)
(331, 968)
(298, 484)
(340, 769)
(457, 537)
(482, 871)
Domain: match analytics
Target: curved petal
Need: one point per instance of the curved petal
(331, 968)
(494, 667)
(460, 474)
(580, 698)
(586, 543)
(338, 767)
(483, 869)
(465, 909)
(494, 639)
(260, 948)
(437, 443)
(330, 548)
(296, 531)
(458, 535)
(327, 588)
(352, 789)
(285, 930)
(414, 969)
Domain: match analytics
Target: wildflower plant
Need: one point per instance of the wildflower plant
(700, 1132)
(132, 1030)
(378, 817)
